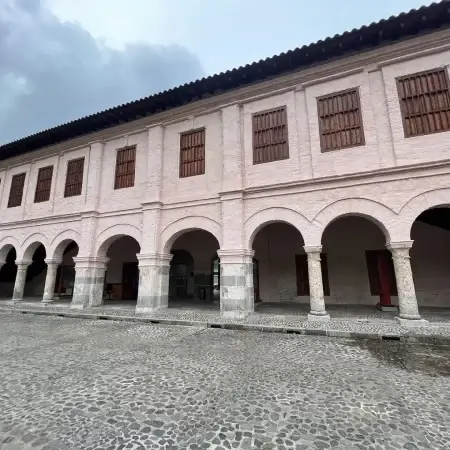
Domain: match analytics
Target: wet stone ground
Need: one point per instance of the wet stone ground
(81, 384)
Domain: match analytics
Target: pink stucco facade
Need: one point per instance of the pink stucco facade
(390, 180)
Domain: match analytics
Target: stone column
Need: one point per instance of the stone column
(236, 282)
(21, 276)
(153, 292)
(407, 300)
(89, 282)
(50, 280)
(316, 297)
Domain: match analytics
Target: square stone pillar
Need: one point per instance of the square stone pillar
(236, 282)
(50, 280)
(19, 284)
(153, 291)
(316, 296)
(89, 282)
(407, 300)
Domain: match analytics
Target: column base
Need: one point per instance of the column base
(235, 314)
(16, 300)
(150, 309)
(318, 317)
(78, 306)
(412, 322)
(49, 300)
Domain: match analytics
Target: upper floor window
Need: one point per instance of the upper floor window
(270, 136)
(424, 102)
(340, 120)
(192, 153)
(16, 192)
(74, 177)
(44, 184)
(125, 167)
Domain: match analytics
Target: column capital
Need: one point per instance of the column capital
(235, 255)
(312, 248)
(154, 259)
(23, 264)
(399, 245)
(86, 261)
(50, 261)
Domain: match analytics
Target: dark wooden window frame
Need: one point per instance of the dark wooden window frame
(74, 177)
(191, 166)
(43, 184)
(403, 110)
(125, 169)
(280, 154)
(16, 197)
(303, 285)
(323, 148)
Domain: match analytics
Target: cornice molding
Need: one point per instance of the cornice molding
(376, 59)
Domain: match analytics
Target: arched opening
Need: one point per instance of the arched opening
(359, 267)
(65, 275)
(8, 274)
(194, 270)
(280, 270)
(36, 272)
(430, 260)
(122, 272)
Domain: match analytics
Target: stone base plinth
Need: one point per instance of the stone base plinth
(235, 314)
(149, 309)
(319, 318)
(412, 322)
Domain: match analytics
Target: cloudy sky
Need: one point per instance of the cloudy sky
(63, 59)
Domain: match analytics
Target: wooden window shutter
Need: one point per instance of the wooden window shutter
(301, 266)
(270, 136)
(340, 120)
(125, 168)
(44, 184)
(16, 192)
(74, 177)
(424, 102)
(192, 153)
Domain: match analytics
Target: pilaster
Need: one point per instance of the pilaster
(236, 282)
(94, 175)
(89, 282)
(153, 282)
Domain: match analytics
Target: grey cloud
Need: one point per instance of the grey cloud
(52, 72)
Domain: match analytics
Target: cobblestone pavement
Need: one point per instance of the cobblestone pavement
(80, 384)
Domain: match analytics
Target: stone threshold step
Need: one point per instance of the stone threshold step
(313, 331)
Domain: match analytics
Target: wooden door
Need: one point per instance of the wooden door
(130, 280)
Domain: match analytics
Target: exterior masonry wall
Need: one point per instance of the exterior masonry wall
(390, 180)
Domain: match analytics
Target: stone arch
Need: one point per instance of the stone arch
(272, 215)
(60, 243)
(379, 214)
(412, 209)
(30, 245)
(6, 245)
(111, 234)
(181, 226)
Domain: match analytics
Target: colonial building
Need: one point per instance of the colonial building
(317, 176)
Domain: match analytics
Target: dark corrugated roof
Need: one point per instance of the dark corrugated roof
(406, 25)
